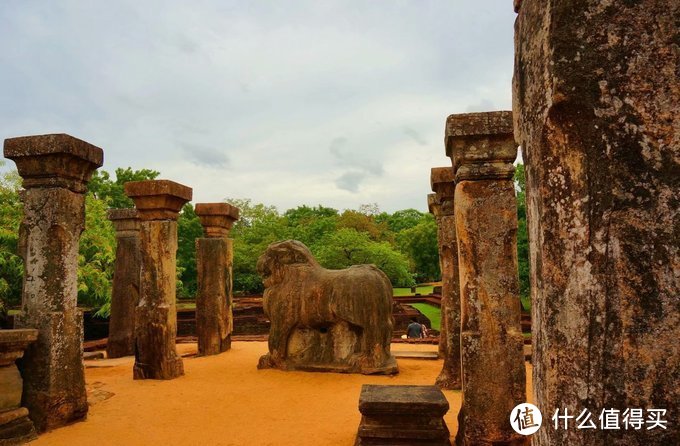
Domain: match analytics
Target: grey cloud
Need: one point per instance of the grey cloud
(358, 165)
(205, 156)
(414, 135)
(350, 181)
(346, 156)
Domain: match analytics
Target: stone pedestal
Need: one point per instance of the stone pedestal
(482, 148)
(441, 206)
(158, 203)
(15, 425)
(402, 415)
(214, 259)
(125, 293)
(596, 102)
(55, 171)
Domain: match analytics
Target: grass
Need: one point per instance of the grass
(423, 290)
(431, 312)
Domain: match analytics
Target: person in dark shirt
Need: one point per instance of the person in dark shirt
(414, 330)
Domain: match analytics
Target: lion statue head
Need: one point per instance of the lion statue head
(272, 264)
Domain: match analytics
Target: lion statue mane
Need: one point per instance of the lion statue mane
(325, 320)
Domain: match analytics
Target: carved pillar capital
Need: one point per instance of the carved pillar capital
(481, 145)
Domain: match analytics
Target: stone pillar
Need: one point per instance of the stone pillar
(442, 182)
(597, 112)
(125, 293)
(15, 425)
(158, 203)
(55, 171)
(214, 259)
(482, 150)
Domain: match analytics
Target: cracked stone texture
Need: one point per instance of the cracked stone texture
(442, 202)
(158, 203)
(214, 258)
(214, 301)
(597, 113)
(325, 320)
(494, 379)
(125, 292)
(55, 170)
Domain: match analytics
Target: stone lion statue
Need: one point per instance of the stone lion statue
(325, 320)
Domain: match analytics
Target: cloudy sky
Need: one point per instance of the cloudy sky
(286, 102)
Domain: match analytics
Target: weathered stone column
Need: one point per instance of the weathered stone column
(158, 203)
(442, 182)
(482, 148)
(55, 171)
(125, 293)
(214, 259)
(597, 113)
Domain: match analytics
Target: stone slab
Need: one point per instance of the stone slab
(402, 415)
(415, 355)
(56, 160)
(378, 399)
(52, 144)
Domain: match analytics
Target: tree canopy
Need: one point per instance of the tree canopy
(403, 244)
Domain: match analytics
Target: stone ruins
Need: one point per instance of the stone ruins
(596, 110)
(214, 259)
(158, 203)
(15, 425)
(482, 150)
(125, 292)
(55, 170)
(596, 103)
(441, 205)
(402, 415)
(325, 320)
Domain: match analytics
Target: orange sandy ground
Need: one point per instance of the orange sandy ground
(225, 400)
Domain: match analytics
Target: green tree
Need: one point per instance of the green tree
(347, 247)
(310, 224)
(257, 227)
(189, 228)
(11, 213)
(112, 192)
(522, 238)
(96, 256)
(401, 220)
(420, 245)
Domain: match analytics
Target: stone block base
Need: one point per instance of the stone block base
(170, 369)
(402, 415)
(15, 427)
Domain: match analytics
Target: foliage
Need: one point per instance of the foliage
(189, 228)
(102, 187)
(420, 244)
(522, 238)
(96, 255)
(347, 247)
(11, 265)
(403, 244)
